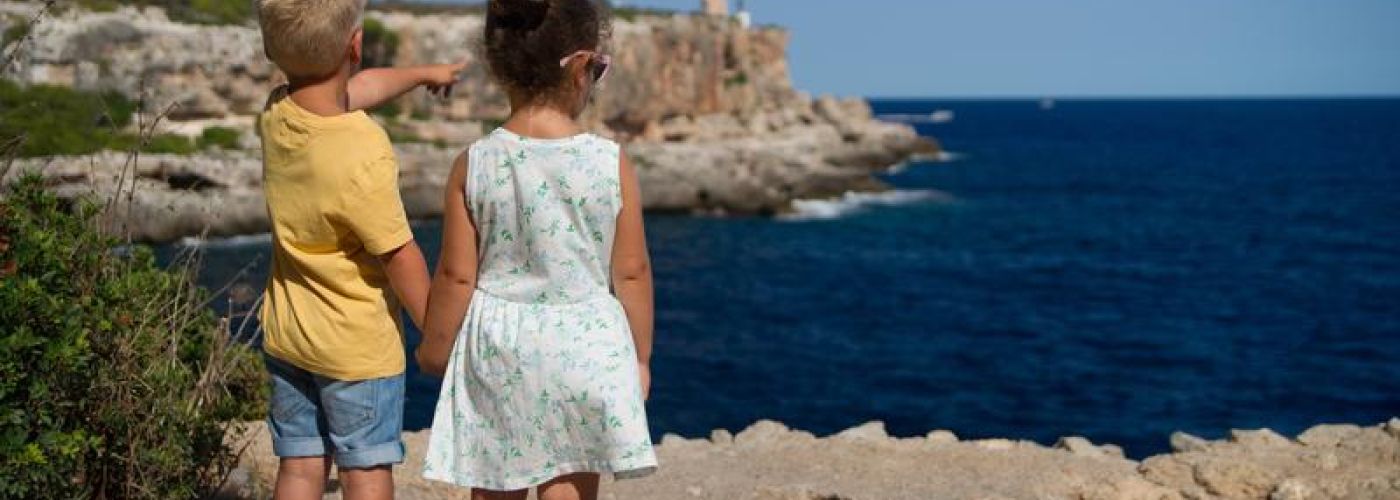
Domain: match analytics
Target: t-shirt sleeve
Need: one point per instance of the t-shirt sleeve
(372, 207)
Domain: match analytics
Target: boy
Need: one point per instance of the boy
(343, 255)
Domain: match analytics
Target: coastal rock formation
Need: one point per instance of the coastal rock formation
(219, 193)
(769, 461)
(705, 106)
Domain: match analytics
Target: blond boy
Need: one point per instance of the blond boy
(344, 258)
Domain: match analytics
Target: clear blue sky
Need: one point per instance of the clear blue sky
(1033, 48)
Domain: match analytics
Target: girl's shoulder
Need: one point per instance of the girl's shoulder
(502, 137)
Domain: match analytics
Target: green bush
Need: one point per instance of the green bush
(116, 379)
(18, 28)
(738, 79)
(389, 110)
(168, 143)
(185, 11)
(159, 143)
(212, 11)
(219, 137)
(381, 44)
(60, 120)
(489, 125)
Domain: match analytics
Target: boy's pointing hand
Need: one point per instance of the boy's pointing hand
(440, 78)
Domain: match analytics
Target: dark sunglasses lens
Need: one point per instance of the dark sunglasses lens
(599, 69)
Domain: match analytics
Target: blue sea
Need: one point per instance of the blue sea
(1113, 269)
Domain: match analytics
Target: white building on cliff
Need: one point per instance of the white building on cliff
(715, 7)
(721, 8)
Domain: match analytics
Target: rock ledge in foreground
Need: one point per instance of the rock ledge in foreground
(772, 462)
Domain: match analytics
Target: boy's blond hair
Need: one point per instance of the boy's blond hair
(308, 38)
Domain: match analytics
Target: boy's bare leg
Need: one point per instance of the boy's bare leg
(579, 486)
(301, 478)
(374, 483)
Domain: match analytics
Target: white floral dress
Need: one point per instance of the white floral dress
(543, 376)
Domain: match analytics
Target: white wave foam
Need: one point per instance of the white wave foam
(939, 157)
(940, 116)
(853, 202)
(232, 241)
(949, 156)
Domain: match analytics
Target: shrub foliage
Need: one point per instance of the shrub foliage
(380, 44)
(116, 378)
(219, 137)
(56, 120)
(187, 11)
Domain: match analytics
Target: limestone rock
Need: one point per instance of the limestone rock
(1235, 479)
(1326, 460)
(1130, 488)
(708, 132)
(1184, 442)
(1393, 427)
(1261, 437)
(996, 444)
(1291, 489)
(774, 462)
(761, 432)
(793, 493)
(1112, 450)
(1327, 435)
(941, 436)
(1078, 445)
(721, 436)
(873, 431)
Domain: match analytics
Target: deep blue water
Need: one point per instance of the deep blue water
(1113, 269)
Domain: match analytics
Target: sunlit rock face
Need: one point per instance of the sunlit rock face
(705, 106)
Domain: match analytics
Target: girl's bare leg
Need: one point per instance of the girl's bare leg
(580, 486)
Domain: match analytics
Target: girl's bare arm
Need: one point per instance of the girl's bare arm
(631, 270)
(455, 279)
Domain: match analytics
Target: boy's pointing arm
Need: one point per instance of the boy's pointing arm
(375, 86)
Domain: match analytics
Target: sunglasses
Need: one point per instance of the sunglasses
(599, 63)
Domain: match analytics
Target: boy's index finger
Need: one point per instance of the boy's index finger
(459, 71)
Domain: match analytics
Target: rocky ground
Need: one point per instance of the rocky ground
(768, 461)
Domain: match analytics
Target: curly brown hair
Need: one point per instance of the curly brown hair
(525, 39)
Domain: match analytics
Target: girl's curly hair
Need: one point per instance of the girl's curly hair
(525, 39)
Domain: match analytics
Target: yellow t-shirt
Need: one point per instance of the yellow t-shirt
(333, 197)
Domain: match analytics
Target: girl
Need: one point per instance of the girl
(545, 369)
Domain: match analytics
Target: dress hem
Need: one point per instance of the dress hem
(619, 472)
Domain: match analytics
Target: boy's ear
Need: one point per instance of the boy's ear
(357, 47)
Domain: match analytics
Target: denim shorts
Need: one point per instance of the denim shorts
(357, 422)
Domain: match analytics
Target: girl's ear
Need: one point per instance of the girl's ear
(582, 78)
(573, 71)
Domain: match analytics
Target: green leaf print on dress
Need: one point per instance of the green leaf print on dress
(542, 380)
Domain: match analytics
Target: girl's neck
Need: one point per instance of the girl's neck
(541, 122)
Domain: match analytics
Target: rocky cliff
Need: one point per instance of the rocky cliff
(705, 106)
